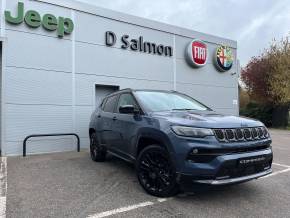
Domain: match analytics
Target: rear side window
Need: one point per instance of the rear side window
(110, 104)
(102, 103)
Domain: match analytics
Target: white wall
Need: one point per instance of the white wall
(50, 82)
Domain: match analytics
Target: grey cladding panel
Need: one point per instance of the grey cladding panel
(100, 60)
(23, 120)
(41, 145)
(207, 75)
(38, 51)
(95, 31)
(83, 114)
(28, 86)
(214, 97)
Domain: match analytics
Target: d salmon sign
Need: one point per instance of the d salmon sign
(223, 58)
(197, 53)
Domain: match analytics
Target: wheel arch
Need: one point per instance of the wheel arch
(151, 137)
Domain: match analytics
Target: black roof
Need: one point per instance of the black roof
(134, 90)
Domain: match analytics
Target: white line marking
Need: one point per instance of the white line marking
(276, 173)
(162, 199)
(121, 210)
(128, 208)
(3, 186)
(2, 207)
(282, 165)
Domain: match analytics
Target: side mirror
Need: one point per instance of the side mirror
(128, 109)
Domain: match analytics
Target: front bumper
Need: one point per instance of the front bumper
(233, 180)
(227, 169)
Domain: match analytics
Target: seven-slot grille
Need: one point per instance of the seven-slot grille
(241, 134)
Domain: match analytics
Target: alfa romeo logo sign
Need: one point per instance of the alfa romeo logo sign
(197, 53)
(223, 58)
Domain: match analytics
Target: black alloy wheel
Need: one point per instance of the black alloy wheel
(156, 172)
(98, 153)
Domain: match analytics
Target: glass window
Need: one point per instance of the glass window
(166, 101)
(110, 104)
(127, 99)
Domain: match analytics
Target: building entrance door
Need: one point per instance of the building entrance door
(102, 91)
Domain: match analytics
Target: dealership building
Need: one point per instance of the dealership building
(59, 58)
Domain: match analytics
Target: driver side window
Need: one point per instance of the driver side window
(126, 99)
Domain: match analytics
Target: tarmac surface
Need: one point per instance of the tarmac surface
(72, 185)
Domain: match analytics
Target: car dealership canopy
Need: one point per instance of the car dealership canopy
(60, 57)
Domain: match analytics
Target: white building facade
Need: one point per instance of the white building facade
(60, 57)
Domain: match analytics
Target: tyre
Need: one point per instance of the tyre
(98, 153)
(156, 172)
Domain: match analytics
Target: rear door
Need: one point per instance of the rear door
(105, 120)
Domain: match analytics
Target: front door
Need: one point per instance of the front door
(125, 126)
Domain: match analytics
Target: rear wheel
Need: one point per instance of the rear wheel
(155, 172)
(98, 153)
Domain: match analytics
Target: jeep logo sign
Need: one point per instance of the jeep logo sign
(196, 53)
(33, 19)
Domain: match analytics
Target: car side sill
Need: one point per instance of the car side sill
(121, 156)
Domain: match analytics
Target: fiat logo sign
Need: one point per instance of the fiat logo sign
(197, 53)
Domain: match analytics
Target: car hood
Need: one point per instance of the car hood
(206, 119)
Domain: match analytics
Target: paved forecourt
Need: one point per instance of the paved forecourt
(71, 185)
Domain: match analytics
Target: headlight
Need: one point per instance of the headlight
(192, 131)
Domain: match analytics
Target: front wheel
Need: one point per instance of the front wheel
(156, 172)
(98, 153)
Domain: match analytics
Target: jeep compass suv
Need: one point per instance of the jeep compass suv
(176, 141)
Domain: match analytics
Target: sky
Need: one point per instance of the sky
(252, 23)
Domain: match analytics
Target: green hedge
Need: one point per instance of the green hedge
(259, 112)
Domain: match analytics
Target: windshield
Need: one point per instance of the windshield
(166, 101)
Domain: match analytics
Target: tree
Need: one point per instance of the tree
(267, 79)
(279, 63)
(256, 76)
(279, 59)
(244, 97)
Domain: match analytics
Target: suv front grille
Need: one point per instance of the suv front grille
(230, 135)
(219, 133)
(241, 134)
(254, 133)
(247, 134)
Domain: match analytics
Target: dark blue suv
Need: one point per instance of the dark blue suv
(176, 141)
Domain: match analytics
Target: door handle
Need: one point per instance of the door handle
(99, 116)
(114, 118)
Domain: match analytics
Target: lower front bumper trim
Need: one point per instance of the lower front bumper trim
(234, 180)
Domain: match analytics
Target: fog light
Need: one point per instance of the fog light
(194, 151)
